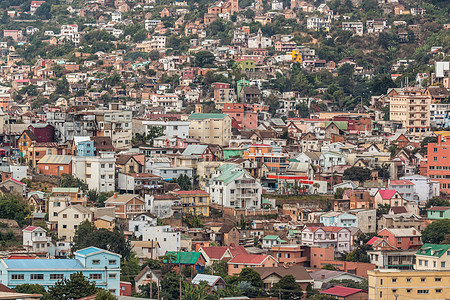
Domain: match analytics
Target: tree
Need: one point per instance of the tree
(383, 209)
(329, 267)
(31, 289)
(339, 194)
(436, 201)
(287, 288)
(436, 232)
(184, 182)
(218, 268)
(105, 295)
(359, 254)
(251, 276)
(14, 207)
(203, 58)
(88, 235)
(425, 142)
(170, 286)
(92, 196)
(74, 288)
(357, 174)
(130, 268)
(69, 180)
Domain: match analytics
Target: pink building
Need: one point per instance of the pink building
(241, 261)
(331, 236)
(14, 34)
(405, 238)
(244, 118)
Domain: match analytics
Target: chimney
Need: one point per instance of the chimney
(115, 195)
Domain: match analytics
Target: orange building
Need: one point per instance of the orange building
(241, 261)
(5, 101)
(126, 206)
(274, 159)
(405, 238)
(55, 165)
(438, 162)
(288, 254)
(245, 118)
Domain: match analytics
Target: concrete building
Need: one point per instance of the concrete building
(433, 257)
(337, 237)
(70, 218)
(412, 108)
(356, 27)
(232, 186)
(166, 236)
(339, 219)
(210, 128)
(438, 163)
(117, 125)
(424, 187)
(97, 171)
(35, 239)
(404, 187)
(97, 265)
(170, 128)
(405, 285)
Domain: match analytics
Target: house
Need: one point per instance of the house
(346, 293)
(337, 237)
(241, 261)
(97, 171)
(322, 276)
(388, 197)
(183, 260)
(404, 187)
(12, 185)
(55, 165)
(438, 212)
(214, 282)
(339, 219)
(147, 276)
(97, 265)
(70, 218)
(228, 235)
(131, 163)
(408, 238)
(145, 250)
(194, 202)
(35, 239)
(386, 256)
(433, 257)
(219, 253)
(126, 206)
(272, 240)
(272, 275)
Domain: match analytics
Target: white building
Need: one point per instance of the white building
(35, 239)
(438, 113)
(70, 218)
(316, 23)
(356, 27)
(232, 186)
(259, 41)
(168, 238)
(70, 33)
(116, 16)
(97, 171)
(424, 188)
(150, 24)
(171, 129)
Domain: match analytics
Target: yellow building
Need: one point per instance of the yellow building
(105, 222)
(394, 284)
(194, 202)
(210, 128)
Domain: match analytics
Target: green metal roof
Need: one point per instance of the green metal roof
(271, 237)
(228, 174)
(186, 258)
(433, 250)
(342, 125)
(198, 116)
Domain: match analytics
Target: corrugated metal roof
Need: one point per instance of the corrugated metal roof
(210, 279)
(56, 159)
(203, 116)
(194, 150)
(44, 264)
(65, 190)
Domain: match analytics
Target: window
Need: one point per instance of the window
(422, 279)
(96, 261)
(408, 290)
(235, 266)
(56, 276)
(17, 277)
(76, 216)
(102, 166)
(408, 279)
(442, 264)
(381, 294)
(437, 279)
(95, 276)
(64, 226)
(394, 279)
(381, 281)
(64, 216)
(112, 261)
(438, 290)
(37, 276)
(423, 291)
(112, 275)
(394, 291)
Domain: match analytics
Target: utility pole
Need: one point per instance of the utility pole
(179, 270)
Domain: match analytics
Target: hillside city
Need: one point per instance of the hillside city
(229, 149)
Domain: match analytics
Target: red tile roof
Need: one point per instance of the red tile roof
(30, 228)
(17, 181)
(342, 291)
(400, 182)
(326, 228)
(387, 194)
(373, 240)
(439, 208)
(215, 252)
(249, 259)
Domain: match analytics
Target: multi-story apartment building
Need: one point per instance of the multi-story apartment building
(439, 114)
(223, 95)
(70, 124)
(97, 265)
(272, 156)
(126, 206)
(97, 171)
(412, 108)
(376, 25)
(70, 32)
(438, 162)
(408, 238)
(167, 102)
(210, 128)
(337, 237)
(316, 23)
(232, 186)
(433, 257)
(35, 239)
(194, 202)
(117, 125)
(170, 129)
(356, 27)
(408, 284)
(70, 218)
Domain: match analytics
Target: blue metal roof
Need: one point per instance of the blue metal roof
(89, 250)
(42, 264)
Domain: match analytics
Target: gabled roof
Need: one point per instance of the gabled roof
(249, 259)
(93, 250)
(299, 272)
(398, 209)
(56, 159)
(400, 182)
(403, 232)
(15, 181)
(209, 279)
(387, 194)
(439, 208)
(433, 250)
(122, 198)
(342, 291)
(195, 150)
